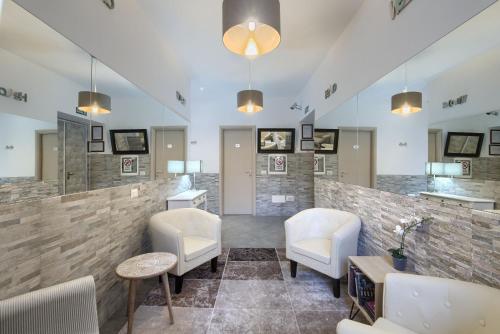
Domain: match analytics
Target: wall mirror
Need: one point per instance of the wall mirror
(47, 146)
(443, 151)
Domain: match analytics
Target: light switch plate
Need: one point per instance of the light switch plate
(142, 173)
(263, 172)
(290, 198)
(278, 198)
(134, 193)
(329, 172)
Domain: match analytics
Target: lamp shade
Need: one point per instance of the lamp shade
(443, 169)
(453, 169)
(250, 101)
(175, 167)
(193, 166)
(406, 103)
(251, 27)
(94, 102)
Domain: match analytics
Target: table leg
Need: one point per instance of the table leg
(169, 298)
(131, 305)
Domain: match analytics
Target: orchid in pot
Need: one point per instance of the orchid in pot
(408, 225)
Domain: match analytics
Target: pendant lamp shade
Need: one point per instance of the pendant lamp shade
(251, 27)
(94, 102)
(406, 103)
(250, 101)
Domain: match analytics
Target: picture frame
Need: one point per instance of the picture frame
(277, 164)
(466, 168)
(129, 141)
(97, 133)
(276, 140)
(95, 146)
(326, 141)
(306, 145)
(495, 136)
(129, 165)
(494, 150)
(307, 131)
(463, 144)
(319, 164)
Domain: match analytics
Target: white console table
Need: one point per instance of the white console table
(188, 199)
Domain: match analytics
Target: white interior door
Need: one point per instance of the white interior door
(238, 171)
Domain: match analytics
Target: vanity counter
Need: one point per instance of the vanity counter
(465, 201)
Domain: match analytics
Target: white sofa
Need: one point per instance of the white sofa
(193, 235)
(430, 305)
(60, 309)
(322, 239)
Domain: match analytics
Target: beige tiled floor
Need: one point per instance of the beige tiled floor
(250, 299)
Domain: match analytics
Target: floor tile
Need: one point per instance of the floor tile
(317, 296)
(253, 321)
(154, 319)
(319, 322)
(252, 254)
(303, 273)
(195, 293)
(253, 231)
(253, 270)
(205, 271)
(266, 295)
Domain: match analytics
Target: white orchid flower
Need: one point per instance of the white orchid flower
(404, 221)
(399, 230)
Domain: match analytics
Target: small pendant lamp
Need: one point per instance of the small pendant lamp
(250, 100)
(251, 28)
(93, 101)
(406, 103)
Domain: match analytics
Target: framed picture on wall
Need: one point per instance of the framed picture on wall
(326, 141)
(494, 149)
(97, 132)
(276, 141)
(495, 136)
(129, 141)
(277, 164)
(129, 165)
(463, 144)
(319, 164)
(466, 168)
(95, 146)
(307, 131)
(307, 145)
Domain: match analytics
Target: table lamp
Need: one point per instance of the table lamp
(175, 167)
(193, 166)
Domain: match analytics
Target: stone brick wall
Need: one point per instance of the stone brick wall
(105, 171)
(402, 184)
(298, 182)
(209, 182)
(53, 240)
(25, 188)
(461, 243)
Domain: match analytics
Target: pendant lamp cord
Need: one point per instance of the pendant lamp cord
(357, 121)
(406, 77)
(249, 74)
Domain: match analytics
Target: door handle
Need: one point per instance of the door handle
(69, 175)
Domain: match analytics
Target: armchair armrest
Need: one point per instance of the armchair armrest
(166, 238)
(344, 244)
(353, 327)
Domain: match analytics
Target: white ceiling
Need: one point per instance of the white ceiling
(309, 29)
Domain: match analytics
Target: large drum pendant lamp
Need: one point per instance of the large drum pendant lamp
(251, 28)
(250, 101)
(93, 101)
(406, 103)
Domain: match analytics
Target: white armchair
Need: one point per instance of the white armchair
(431, 305)
(193, 235)
(322, 239)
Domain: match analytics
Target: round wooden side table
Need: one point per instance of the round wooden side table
(142, 267)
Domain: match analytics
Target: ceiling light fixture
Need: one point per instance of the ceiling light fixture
(406, 103)
(92, 101)
(250, 100)
(251, 28)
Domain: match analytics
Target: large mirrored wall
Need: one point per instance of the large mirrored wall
(47, 146)
(447, 152)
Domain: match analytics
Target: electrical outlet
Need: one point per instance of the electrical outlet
(290, 198)
(278, 198)
(329, 172)
(263, 172)
(134, 193)
(142, 173)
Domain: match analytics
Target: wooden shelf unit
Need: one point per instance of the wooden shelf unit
(375, 268)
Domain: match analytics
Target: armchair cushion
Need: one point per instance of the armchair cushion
(390, 327)
(197, 246)
(318, 249)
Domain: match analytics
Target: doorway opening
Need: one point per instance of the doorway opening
(168, 143)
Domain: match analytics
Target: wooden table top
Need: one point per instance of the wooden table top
(146, 265)
(375, 267)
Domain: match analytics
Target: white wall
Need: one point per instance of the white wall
(213, 108)
(373, 45)
(124, 40)
(19, 132)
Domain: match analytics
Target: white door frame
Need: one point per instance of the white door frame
(373, 167)
(222, 128)
(152, 146)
